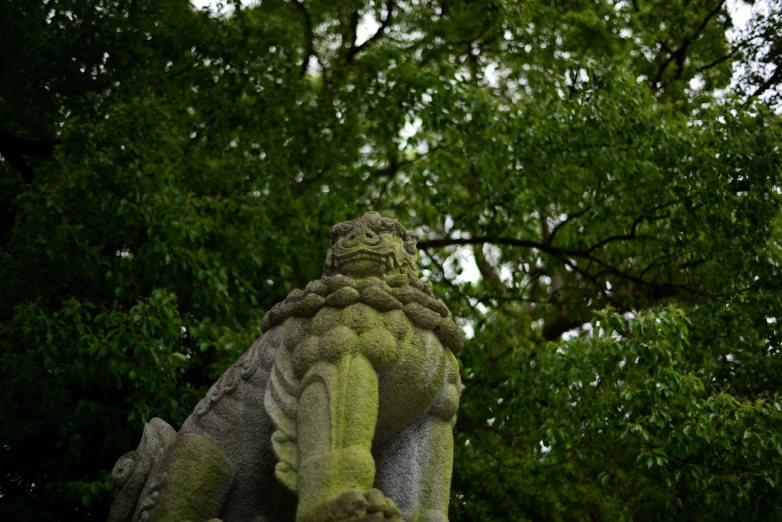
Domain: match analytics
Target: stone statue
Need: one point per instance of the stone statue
(341, 411)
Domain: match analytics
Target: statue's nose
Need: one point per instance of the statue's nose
(366, 237)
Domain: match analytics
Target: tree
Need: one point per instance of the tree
(169, 174)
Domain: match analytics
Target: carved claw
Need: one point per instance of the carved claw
(355, 506)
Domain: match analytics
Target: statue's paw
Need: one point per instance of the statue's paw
(355, 506)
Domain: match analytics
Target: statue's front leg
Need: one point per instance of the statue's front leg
(415, 467)
(337, 414)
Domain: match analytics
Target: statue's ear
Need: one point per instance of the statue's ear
(328, 268)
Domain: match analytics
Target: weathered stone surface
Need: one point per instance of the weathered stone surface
(422, 317)
(131, 471)
(194, 485)
(439, 307)
(397, 280)
(342, 411)
(308, 306)
(343, 297)
(450, 335)
(380, 299)
(410, 294)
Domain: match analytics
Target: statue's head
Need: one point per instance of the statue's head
(371, 246)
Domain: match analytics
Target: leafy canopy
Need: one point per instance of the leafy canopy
(168, 174)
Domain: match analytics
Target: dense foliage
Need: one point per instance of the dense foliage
(168, 174)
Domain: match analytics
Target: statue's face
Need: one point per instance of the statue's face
(370, 246)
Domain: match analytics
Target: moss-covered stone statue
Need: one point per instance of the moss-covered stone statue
(341, 411)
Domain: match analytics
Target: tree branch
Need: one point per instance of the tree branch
(309, 46)
(554, 329)
(680, 54)
(659, 76)
(625, 237)
(349, 38)
(562, 253)
(774, 78)
(450, 283)
(567, 220)
(394, 164)
(549, 249)
(355, 49)
(706, 20)
(389, 170)
(484, 267)
(717, 61)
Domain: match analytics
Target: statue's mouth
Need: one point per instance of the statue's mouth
(384, 261)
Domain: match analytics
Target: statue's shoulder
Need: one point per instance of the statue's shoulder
(301, 303)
